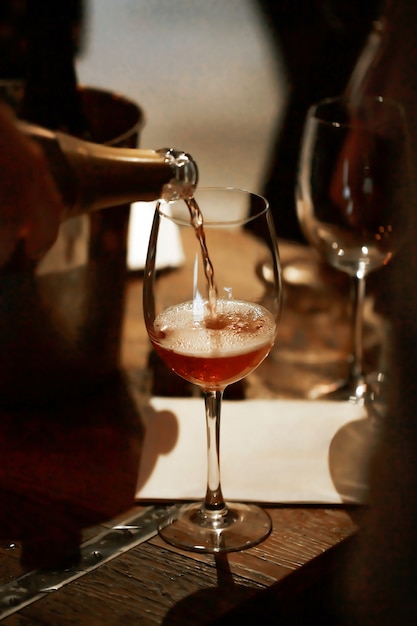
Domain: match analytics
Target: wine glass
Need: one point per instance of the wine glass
(213, 327)
(352, 194)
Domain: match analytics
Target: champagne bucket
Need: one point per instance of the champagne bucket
(61, 322)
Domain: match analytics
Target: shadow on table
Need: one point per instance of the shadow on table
(306, 596)
(204, 606)
(66, 469)
(350, 454)
(160, 438)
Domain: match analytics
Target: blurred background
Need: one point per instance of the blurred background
(228, 82)
(203, 71)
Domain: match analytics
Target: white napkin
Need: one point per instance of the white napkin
(272, 451)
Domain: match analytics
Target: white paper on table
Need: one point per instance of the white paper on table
(170, 250)
(272, 451)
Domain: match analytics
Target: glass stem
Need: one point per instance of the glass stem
(214, 498)
(356, 372)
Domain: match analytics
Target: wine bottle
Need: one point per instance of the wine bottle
(93, 176)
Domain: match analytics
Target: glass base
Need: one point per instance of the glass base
(236, 527)
(353, 391)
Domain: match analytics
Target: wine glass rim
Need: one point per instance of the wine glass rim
(345, 100)
(163, 207)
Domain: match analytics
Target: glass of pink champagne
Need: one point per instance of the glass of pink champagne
(213, 327)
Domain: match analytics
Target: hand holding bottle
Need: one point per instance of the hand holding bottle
(31, 208)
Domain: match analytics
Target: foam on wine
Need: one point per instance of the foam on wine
(238, 327)
(216, 351)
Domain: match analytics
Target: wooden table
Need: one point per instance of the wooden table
(83, 475)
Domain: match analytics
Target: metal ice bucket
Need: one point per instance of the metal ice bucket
(61, 323)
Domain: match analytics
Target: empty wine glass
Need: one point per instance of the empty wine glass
(352, 193)
(214, 329)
